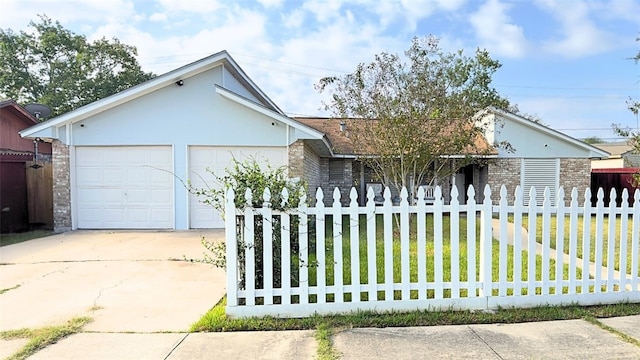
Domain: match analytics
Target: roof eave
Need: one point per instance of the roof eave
(552, 132)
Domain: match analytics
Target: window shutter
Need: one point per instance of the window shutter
(540, 173)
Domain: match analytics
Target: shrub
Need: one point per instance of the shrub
(240, 177)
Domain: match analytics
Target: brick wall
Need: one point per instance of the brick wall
(304, 163)
(61, 187)
(575, 173)
(500, 172)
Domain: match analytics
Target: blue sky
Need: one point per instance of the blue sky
(566, 61)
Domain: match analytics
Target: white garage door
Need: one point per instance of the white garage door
(217, 159)
(124, 187)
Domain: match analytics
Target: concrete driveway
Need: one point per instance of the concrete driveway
(127, 281)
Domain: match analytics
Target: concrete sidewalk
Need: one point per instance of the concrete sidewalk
(569, 339)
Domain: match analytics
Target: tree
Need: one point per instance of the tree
(593, 140)
(56, 67)
(634, 104)
(411, 120)
(633, 136)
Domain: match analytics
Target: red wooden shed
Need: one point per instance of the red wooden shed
(25, 181)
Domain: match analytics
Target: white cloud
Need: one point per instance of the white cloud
(324, 11)
(579, 34)
(158, 17)
(294, 19)
(16, 14)
(496, 31)
(194, 6)
(271, 3)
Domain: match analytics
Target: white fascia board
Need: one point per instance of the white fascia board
(238, 71)
(189, 70)
(314, 134)
(594, 151)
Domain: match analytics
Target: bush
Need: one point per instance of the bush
(240, 177)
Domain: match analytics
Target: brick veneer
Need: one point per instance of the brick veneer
(500, 172)
(305, 164)
(575, 173)
(61, 187)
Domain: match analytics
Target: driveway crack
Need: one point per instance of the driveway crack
(486, 343)
(95, 301)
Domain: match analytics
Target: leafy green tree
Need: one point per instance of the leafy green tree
(56, 67)
(410, 116)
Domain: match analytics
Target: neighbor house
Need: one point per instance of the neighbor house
(621, 156)
(25, 180)
(536, 156)
(123, 162)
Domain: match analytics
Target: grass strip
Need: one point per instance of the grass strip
(43, 337)
(217, 321)
(7, 289)
(623, 336)
(325, 350)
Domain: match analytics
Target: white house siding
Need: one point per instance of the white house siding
(181, 116)
(217, 159)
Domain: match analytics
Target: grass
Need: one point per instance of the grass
(326, 326)
(592, 242)
(430, 255)
(2, 291)
(42, 337)
(216, 319)
(14, 238)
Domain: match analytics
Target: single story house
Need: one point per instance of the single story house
(537, 156)
(621, 156)
(122, 162)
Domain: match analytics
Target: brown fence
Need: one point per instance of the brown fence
(40, 193)
(615, 178)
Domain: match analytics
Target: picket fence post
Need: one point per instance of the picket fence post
(486, 235)
(250, 250)
(267, 248)
(231, 249)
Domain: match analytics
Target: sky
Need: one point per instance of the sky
(564, 61)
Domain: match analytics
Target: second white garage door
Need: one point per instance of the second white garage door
(217, 159)
(124, 187)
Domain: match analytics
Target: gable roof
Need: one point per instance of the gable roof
(543, 129)
(616, 149)
(219, 59)
(22, 113)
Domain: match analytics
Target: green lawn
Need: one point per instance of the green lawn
(430, 258)
(592, 243)
(14, 238)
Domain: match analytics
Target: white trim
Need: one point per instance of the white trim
(544, 129)
(73, 189)
(168, 79)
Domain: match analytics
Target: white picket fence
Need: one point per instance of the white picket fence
(490, 275)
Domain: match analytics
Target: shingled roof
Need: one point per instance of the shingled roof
(338, 136)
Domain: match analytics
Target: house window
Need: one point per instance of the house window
(540, 173)
(336, 169)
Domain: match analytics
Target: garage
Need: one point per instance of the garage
(124, 187)
(217, 159)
